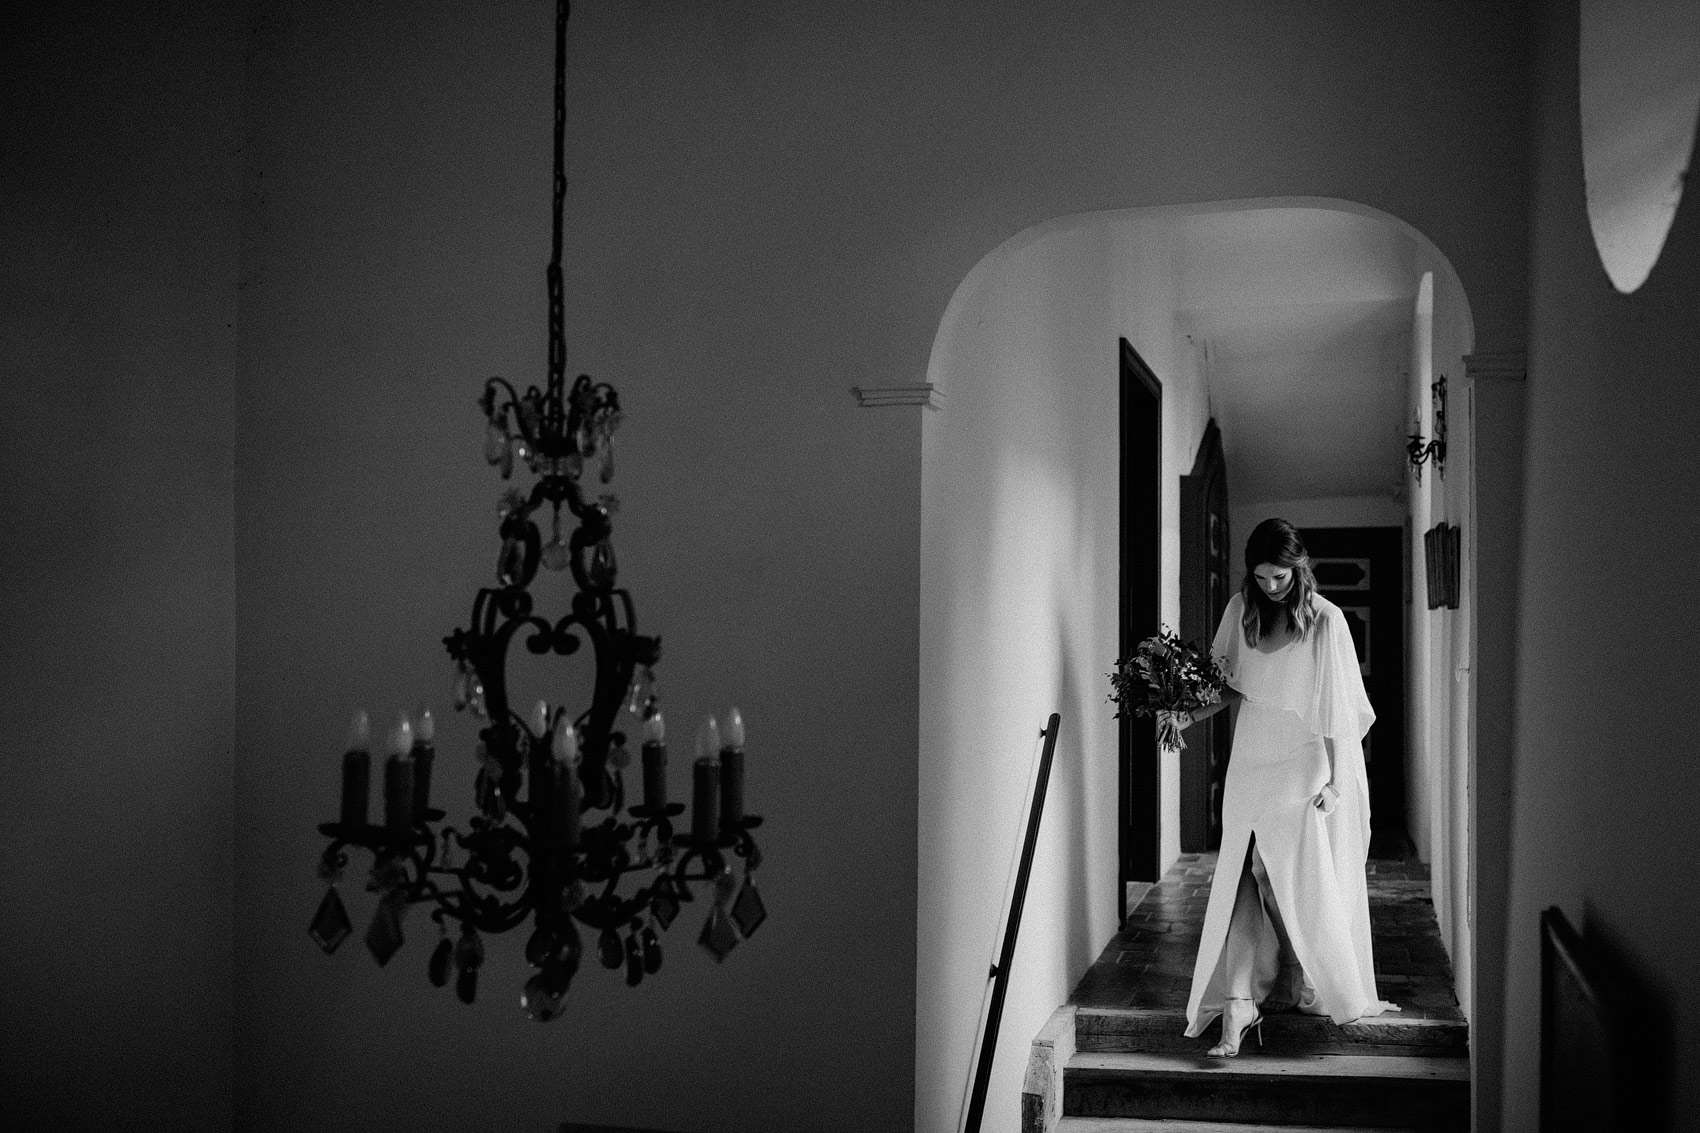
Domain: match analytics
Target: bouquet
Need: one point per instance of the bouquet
(1165, 677)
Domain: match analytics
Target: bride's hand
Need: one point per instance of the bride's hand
(1327, 799)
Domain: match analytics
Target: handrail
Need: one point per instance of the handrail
(987, 1038)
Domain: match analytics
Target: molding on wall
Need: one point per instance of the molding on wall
(1511, 365)
(873, 397)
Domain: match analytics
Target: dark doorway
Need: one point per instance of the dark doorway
(1206, 568)
(1141, 482)
(1361, 570)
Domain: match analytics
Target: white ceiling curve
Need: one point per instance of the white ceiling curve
(1302, 317)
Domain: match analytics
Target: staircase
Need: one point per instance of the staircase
(1135, 1064)
(1114, 1060)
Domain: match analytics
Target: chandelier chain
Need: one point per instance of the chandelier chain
(557, 304)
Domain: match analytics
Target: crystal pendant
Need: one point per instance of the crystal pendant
(748, 911)
(543, 999)
(572, 948)
(651, 951)
(664, 906)
(442, 957)
(634, 961)
(383, 938)
(469, 953)
(602, 563)
(496, 440)
(609, 949)
(331, 925)
(510, 562)
(540, 947)
(718, 936)
(466, 985)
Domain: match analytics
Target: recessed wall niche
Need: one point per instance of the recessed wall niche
(1639, 71)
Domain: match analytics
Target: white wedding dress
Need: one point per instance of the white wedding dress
(1296, 692)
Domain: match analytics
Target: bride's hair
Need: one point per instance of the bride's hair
(1276, 541)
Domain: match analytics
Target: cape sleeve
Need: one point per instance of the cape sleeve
(1230, 639)
(1340, 708)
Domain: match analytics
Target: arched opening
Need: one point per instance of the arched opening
(1288, 323)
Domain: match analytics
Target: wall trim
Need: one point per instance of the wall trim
(874, 397)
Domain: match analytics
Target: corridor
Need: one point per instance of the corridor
(1408, 1070)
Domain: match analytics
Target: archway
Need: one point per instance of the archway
(1021, 553)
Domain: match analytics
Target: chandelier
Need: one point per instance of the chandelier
(554, 841)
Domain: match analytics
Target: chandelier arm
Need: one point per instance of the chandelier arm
(489, 401)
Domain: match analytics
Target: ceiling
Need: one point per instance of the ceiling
(1302, 322)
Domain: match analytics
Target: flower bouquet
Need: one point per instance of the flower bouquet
(1165, 677)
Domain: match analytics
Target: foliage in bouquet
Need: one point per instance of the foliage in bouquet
(1164, 676)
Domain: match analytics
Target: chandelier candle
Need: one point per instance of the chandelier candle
(705, 799)
(538, 765)
(568, 796)
(424, 753)
(398, 781)
(655, 763)
(356, 773)
(732, 771)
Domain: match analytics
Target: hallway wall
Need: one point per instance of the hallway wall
(117, 349)
(1020, 561)
(1604, 794)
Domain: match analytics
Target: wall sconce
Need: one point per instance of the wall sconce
(1419, 450)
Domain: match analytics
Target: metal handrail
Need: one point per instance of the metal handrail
(998, 977)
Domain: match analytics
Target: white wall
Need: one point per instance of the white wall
(1019, 599)
(1604, 792)
(117, 350)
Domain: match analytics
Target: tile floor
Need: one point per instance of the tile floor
(1148, 964)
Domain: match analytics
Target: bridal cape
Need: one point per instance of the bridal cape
(1296, 693)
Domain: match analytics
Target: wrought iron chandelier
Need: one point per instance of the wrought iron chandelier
(553, 841)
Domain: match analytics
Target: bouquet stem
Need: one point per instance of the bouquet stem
(1169, 731)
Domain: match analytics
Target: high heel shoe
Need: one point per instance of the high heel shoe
(1236, 1028)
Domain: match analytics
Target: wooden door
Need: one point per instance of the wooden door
(1360, 570)
(1207, 559)
(1141, 795)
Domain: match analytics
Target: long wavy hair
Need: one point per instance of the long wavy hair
(1277, 542)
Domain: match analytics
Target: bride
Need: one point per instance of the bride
(1287, 923)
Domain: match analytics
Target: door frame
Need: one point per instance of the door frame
(1140, 828)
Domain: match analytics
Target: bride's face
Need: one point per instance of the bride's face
(1273, 580)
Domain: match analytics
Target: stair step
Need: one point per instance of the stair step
(1417, 1092)
(1166, 1125)
(1159, 1031)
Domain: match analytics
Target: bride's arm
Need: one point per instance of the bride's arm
(1229, 696)
(1323, 801)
